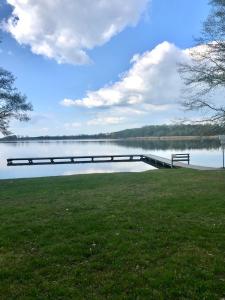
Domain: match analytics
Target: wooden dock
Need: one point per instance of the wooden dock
(73, 160)
(153, 160)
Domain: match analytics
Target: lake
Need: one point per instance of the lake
(203, 152)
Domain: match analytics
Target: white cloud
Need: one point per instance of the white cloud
(153, 79)
(72, 125)
(65, 30)
(128, 111)
(112, 120)
(99, 119)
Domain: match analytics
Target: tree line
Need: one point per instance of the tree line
(146, 131)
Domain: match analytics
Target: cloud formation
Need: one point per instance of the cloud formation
(65, 30)
(110, 120)
(153, 80)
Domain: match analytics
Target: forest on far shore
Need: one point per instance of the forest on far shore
(146, 131)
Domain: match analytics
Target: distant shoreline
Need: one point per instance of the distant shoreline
(175, 138)
(146, 138)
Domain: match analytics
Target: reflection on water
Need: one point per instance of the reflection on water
(172, 145)
(203, 152)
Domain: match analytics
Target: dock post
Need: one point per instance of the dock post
(223, 156)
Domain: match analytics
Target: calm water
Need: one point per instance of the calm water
(206, 153)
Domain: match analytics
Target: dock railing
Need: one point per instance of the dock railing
(180, 157)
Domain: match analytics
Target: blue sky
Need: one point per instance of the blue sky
(83, 80)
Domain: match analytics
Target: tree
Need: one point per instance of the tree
(12, 103)
(204, 75)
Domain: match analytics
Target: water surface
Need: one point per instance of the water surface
(203, 152)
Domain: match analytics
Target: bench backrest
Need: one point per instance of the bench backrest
(180, 157)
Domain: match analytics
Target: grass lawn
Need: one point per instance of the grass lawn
(152, 235)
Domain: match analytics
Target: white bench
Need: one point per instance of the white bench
(180, 157)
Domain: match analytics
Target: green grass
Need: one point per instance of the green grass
(152, 235)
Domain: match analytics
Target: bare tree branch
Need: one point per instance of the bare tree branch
(206, 71)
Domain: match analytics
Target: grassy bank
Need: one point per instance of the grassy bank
(152, 235)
